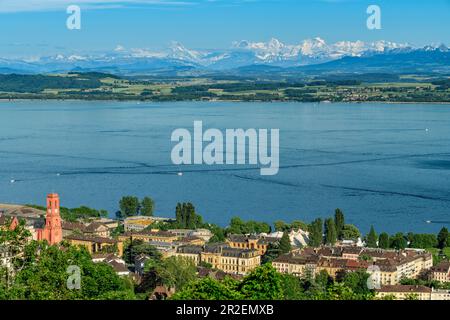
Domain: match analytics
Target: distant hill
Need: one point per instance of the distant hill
(417, 61)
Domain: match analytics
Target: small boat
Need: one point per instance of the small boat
(180, 174)
(12, 181)
(428, 221)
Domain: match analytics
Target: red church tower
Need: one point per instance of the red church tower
(52, 231)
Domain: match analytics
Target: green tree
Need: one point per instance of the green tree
(285, 243)
(238, 226)
(291, 287)
(297, 224)
(423, 241)
(273, 252)
(357, 282)
(133, 248)
(383, 241)
(371, 238)
(263, 283)
(176, 272)
(330, 232)
(207, 289)
(443, 238)
(218, 233)
(339, 222)
(398, 241)
(147, 206)
(350, 232)
(44, 275)
(281, 226)
(186, 216)
(129, 206)
(316, 233)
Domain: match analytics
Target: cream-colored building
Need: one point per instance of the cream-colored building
(390, 266)
(411, 292)
(250, 242)
(139, 223)
(440, 272)
(404, 292)
(222, 257)
(149, 236)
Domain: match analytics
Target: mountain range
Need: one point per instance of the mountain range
(311, 55)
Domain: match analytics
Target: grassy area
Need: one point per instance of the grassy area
(107, 87)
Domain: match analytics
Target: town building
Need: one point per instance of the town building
(139, 223)
(204, 234)
(110, 223)
(440, 272)
(298, 237)
(222, 257)
(96, 244)
(95, 229)
(259, 243)
(70, 227)
(149, 236)
(390, 265)
(404, 292)
(117, 263)
(34, 218)
(8, 223)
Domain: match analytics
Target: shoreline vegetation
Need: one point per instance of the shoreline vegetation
(94, 86)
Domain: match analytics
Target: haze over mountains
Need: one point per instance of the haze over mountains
(245, 56)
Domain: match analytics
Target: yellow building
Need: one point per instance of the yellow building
(222, 257)
(404, 292)
(149, 236)
(95, 244)
(250, 242)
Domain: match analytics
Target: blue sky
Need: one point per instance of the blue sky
(37, 27)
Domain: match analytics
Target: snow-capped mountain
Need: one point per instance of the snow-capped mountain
(241, 54)
(314, 50)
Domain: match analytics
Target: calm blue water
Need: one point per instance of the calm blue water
(376, 162)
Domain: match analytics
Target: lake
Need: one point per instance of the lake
(386, 165)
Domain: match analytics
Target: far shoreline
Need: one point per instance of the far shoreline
(224, 101)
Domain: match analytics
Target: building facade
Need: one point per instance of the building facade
(253, 242)
(440, 272)
(390, 266)
(96, 244)
(222, 257)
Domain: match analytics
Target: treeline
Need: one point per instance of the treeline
(131, 206)
(409, 240)
(74, 214)
(330, 230)
(38, 83)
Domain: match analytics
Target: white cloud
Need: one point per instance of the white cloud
(50, 5)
